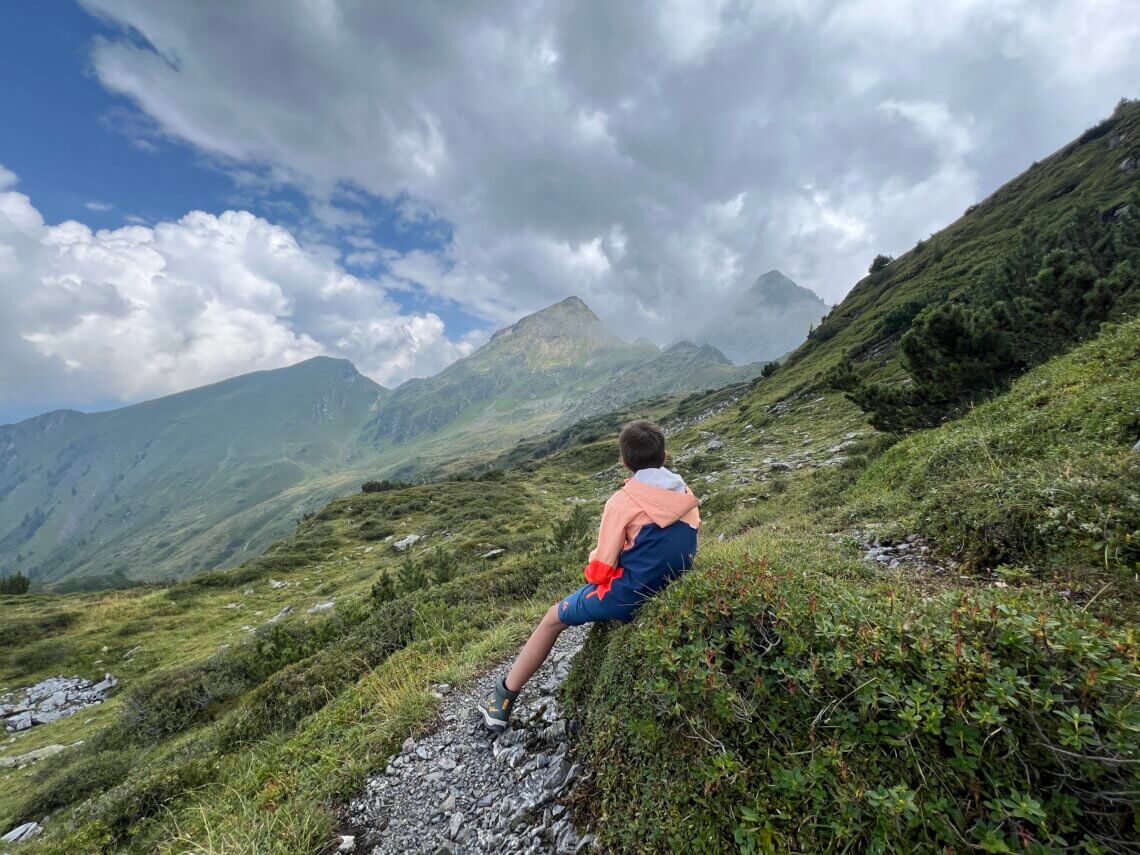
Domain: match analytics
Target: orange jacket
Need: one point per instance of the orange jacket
(633, 506)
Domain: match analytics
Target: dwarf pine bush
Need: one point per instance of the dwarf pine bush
(765, 709)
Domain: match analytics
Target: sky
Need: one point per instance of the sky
(190, 191)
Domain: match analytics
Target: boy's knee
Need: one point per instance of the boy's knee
(551, 619)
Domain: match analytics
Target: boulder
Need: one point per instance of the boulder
(23, 832)
(404, 542)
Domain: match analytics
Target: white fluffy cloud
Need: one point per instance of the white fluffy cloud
(138, 312)
(642, 154)
(646, 155)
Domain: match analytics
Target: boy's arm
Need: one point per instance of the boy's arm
(611, 540)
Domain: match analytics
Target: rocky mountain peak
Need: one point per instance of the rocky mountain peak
(776, 289)
(565, 333)
(567, 317)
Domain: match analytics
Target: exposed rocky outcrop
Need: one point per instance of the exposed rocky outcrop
(461, 790)
(50, 700)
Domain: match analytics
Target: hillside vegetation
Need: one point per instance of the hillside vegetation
(791, 693)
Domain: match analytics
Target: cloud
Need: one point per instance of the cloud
(645, 155)
(141, 311)
(98, 206)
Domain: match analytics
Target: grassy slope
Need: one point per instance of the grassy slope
(1047, 192)
(129, 491)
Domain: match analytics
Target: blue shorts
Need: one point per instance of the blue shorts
(579, 608)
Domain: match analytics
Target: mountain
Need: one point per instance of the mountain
(526, 377)
(131, 492)
(681, 367)
(208, 477)
(768, 320)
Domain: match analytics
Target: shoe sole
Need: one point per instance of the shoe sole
(491, 722)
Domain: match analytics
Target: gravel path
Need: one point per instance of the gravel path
(458, 790)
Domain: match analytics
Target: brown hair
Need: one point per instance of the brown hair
(642, 445)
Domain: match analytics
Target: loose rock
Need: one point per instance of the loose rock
(460, 789)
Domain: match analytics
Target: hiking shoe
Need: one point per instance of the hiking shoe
(496, 706)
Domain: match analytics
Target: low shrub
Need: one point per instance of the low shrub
(375, 529)
(758, 709)
(1045, 471)
(381, 486)
(41, 655)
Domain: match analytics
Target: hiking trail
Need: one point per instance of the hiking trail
(461, 789)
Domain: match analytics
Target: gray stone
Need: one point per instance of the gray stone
(714, 445)
(322, 607)
(281, 614)
(465, 801)
(21, 721)
(404, 542)
(23, 832)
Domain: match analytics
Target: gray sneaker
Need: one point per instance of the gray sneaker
(497, 705)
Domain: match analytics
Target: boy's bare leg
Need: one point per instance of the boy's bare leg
(536, 649)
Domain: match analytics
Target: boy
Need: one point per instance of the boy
(648, 537)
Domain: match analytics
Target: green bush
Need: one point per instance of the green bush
(444, 565)
(60, 782)
(573, 533)
(41, 655)
(384, 589)
(1045, 294)
(381, 486)
(375, 529)
(757, 709)
(1045, 471)
(15, 584)
(880, 262)
(411, 575)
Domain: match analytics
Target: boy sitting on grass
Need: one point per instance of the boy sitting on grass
(648, 537)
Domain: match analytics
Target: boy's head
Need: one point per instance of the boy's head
(642, 446)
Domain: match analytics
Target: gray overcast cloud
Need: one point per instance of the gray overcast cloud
(643, 155)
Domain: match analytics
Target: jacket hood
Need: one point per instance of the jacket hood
(663, 506)
(661, 477)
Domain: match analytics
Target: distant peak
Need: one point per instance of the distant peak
(705, 350)
(775, 287)
(571, 306)
(565, 316)
(326, 361)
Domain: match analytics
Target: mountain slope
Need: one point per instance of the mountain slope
(1097, 169)
(521, 381)
(208, 477)
(681, 367)
(767, 321)
(115, 493)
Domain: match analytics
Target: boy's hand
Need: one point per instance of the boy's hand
(598, 572)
